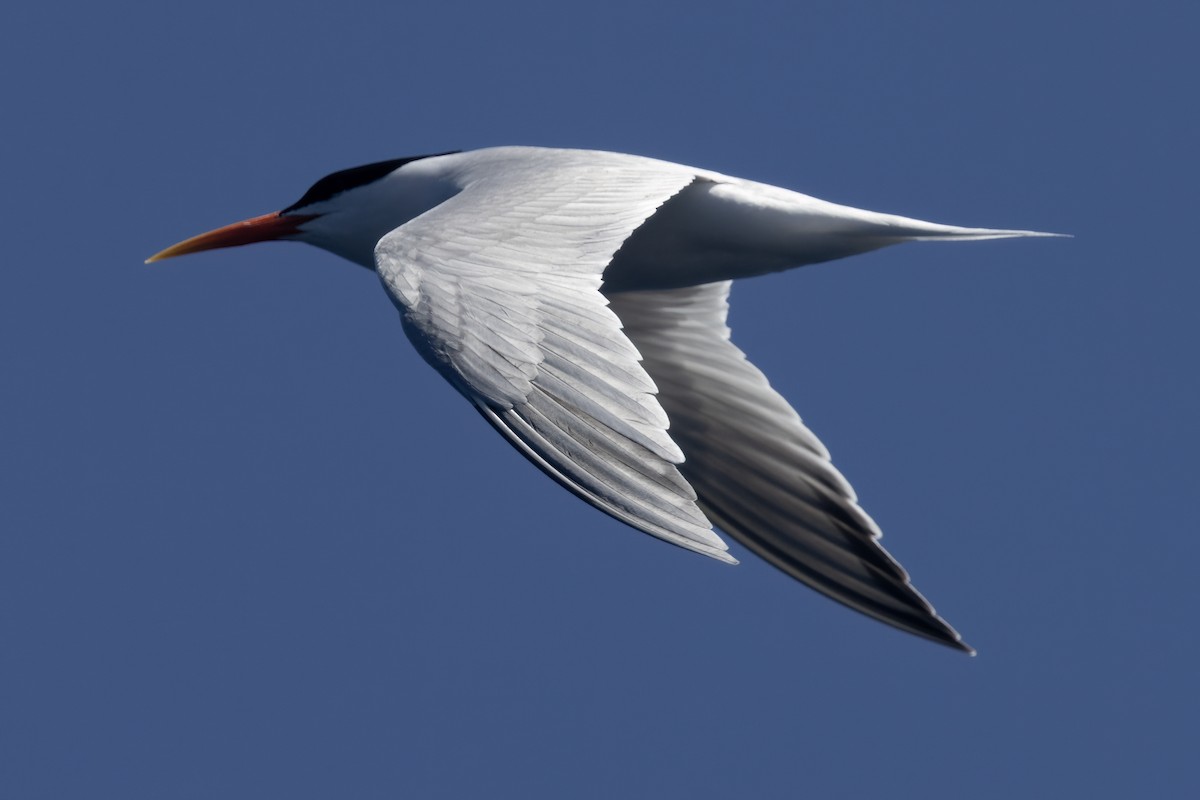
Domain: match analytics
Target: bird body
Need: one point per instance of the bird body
(720, 228)
(578, 300)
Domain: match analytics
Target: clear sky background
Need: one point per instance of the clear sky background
(251, 546)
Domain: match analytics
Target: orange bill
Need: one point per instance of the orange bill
(257, 229)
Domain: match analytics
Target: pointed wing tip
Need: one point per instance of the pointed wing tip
(949, 637)
(717, 551)
(962, 646)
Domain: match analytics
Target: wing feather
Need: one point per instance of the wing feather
(760, 474)
(499, 287)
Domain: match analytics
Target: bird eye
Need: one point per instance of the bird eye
(336, 183)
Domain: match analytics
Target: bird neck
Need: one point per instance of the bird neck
(352, 223)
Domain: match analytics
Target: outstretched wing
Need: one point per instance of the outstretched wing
(499, 288)
(761, 475)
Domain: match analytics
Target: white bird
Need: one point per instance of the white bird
(578, 299)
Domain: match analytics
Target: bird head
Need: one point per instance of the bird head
(346, 212)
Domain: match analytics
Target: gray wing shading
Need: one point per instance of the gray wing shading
(499, 288)
(761, 475)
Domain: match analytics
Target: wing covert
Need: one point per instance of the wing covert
(499, 288)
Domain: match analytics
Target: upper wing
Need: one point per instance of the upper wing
(499, 289)
(760, 474)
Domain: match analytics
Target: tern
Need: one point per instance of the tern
(578, 300)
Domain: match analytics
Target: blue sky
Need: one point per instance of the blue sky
(251, 546)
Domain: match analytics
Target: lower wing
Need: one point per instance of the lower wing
(759, 473)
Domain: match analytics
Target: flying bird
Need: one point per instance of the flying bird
(578, 300)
